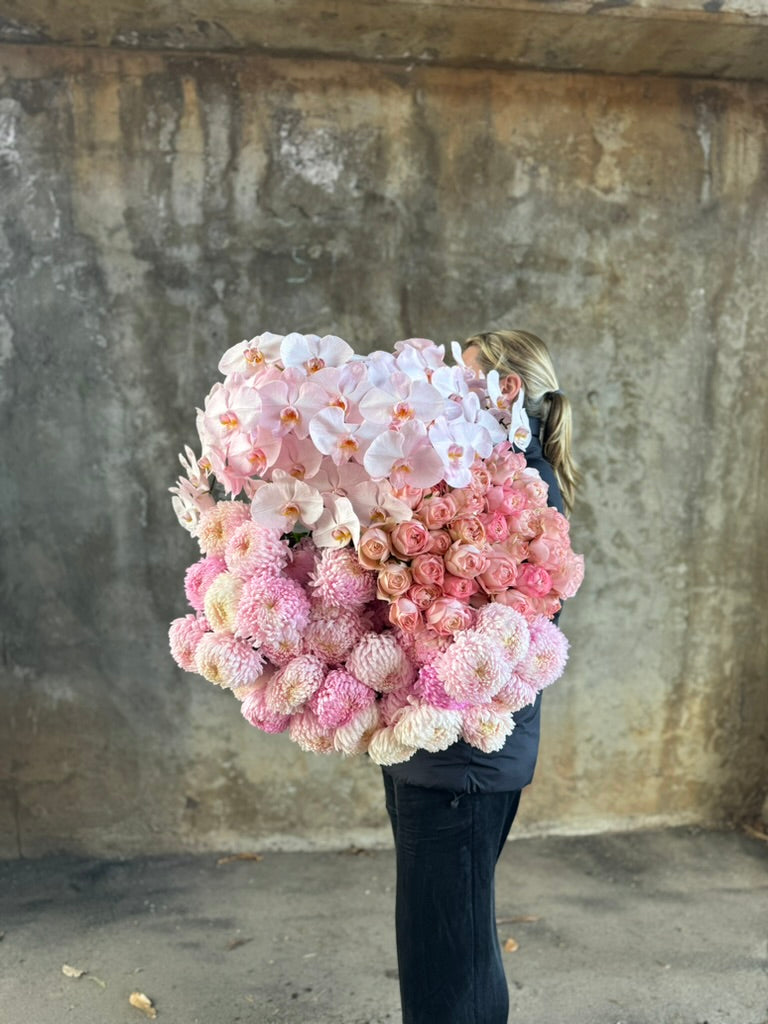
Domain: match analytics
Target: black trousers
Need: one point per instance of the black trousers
(448, 953)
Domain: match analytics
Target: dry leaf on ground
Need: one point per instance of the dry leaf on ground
(239, 856)
(71, 972)
(143, 1003)
(518, 919)
(511, 945)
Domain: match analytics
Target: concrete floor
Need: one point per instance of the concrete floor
(665, 927)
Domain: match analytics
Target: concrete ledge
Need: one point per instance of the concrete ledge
(701, 38)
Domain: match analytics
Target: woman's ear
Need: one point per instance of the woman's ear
(510, 386)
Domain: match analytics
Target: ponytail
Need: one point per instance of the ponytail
(526, 355)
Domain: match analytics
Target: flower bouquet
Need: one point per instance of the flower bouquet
(381, 567)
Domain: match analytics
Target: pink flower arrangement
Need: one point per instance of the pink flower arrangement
(381, 574)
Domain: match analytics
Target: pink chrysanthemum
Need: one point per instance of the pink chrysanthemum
(221, 601)
(428, 727)
(309, 734)
(302, 563)
(340, 697)
(508, 627)
(547, 654)
(217, 524)
(227, 661)
(253, 549)
(332, 632)
(473, 668)
(385, 748)
(423, 646)
(198, 578)
(339, 579)
(254, 709)
(267, 605)
(430, 690)
(392, 703)
(380, 662)
(184, 636)
(515, 694)
(291, 687)
(486, 728)
(282, 647)
(355, 736)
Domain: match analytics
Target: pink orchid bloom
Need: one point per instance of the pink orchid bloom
(373, 502)
(290, 403)
(457, 443)
(313, 353)
(249, 358)
(405, 456)
(344, 387)
(195, 469)
(419, 357)
(190, 501)
(338, 525)
(279, 505)
(400, 399)
(380, 366)
(252, 454)
(473, 412)
(298, 458)
(334, 436)
(230, 409)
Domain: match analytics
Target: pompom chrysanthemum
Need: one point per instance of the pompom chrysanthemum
(255, 710)
(184, 636)
(227, 661)
(339, 579)
(486, 727)
(267, 603)
(473, 668)
(428, 727)
(217, 524)
(198, 578)
(384, 747)
(291, 687)
(339, 697)
(547, 654)
(392, 703)
(430, 690)
(309, 734)
(355, 736)
(508, 627)
(282, 647)
(332, 632)
(221, 601)
(253, 549)
(380, 662)
(515, 694)
(302, 562)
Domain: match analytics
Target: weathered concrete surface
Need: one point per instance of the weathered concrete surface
(718, 38)
(157, 208)
(663, 927)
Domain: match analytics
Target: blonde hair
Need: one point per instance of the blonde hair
(526, 355)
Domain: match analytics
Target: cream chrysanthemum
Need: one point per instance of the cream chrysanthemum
(227, 661)
(427, 727)
(354, 737)
(221, 601)
(384, 747)
(380, 662)
(309, 734)
(291, 687)
(217, 525)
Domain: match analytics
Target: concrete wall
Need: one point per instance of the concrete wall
(158, 207)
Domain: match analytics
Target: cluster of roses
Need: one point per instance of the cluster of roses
(380, 590)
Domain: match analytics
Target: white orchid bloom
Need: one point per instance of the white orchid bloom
(338, 525)
(519, 425)
(313, 352)
(189, 502)
(279, 505)
(251, 357)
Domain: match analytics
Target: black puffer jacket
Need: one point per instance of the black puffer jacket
(463, 768)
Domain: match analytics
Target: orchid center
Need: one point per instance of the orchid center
(349, 445)
(402, 467)
(341, 535)
(455, 453)
(339, 402)
(402, 412)
(378, 515)
(290, 510)
(289, 417)
(253, 357)
(298, 472)
(229, 420)
(314, 364)
(258, 460)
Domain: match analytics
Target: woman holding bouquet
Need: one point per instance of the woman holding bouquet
(451, 811)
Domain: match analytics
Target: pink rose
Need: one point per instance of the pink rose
(460, 588)
(423, 594)
(523, 521)
(505, 499)
(435, 512)
(410, 495)
(405, 614)
(552, 523)
(500, 574)
(428, 569)
(465, 560)
(481, 478)
(568, 577)
(393, 580)
(410, 538)
(469, 502)
(534, 488)
(496, 528)
(504, 464)
(448, 615)
(533, 581)
(516, 547)
(514, 599)
(468, 529)
(441, 541)
(374, 549)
